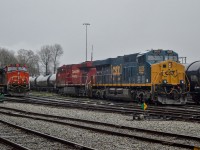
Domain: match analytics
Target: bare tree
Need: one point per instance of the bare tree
(30, 59)
(45, 55)
(25, 56)
(34, 68)
(7, 57)
(57, 51)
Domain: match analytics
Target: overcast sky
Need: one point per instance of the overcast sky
(117, 27)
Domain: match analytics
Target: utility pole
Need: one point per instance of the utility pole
(92, 53)
(86, 24)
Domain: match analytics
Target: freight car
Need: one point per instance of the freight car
(43, 83)
(193, 74)
(154, 76)
(14, 80)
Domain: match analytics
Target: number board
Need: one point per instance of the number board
(141, 69)
(116, 70)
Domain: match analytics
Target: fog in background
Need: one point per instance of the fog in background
(118, 27)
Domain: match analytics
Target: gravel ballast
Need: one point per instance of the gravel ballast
(99, 141)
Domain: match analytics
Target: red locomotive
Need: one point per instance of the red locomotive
(14, 80)
(75, 79)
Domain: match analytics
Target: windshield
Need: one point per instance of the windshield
(12, 68)
(16, 68)
(174, 58)
(22, 69)
(155, 58)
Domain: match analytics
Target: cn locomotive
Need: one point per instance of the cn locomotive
(14, 80)
(155, 76)
(193, 74)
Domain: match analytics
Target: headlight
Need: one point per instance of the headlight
(181, 82)
(164, 81)
(170, 64)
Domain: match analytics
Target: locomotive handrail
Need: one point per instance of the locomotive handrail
(169, 92)
(188, 83)
(153, 89)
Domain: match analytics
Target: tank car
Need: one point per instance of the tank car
(32, 82)
(193, 74)
(14, 80)
(43, 83)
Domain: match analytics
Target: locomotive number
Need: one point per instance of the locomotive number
(141, 69)
(116, 70)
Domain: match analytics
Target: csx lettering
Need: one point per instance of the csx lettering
(116, 70)
(169, 72)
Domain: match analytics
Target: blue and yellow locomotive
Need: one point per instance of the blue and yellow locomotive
(154, 76)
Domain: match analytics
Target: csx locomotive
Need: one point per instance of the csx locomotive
(14, 80)
(154, 76)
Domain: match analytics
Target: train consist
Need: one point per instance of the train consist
(14, 80)
(153, 76)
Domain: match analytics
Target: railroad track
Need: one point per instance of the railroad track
(125, 104)
(19, 137)
(165, 138)
(152, 112)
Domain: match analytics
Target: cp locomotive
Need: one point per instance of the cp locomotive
(14, 80)
(154, 76)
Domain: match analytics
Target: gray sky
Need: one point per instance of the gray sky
(117, 27)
